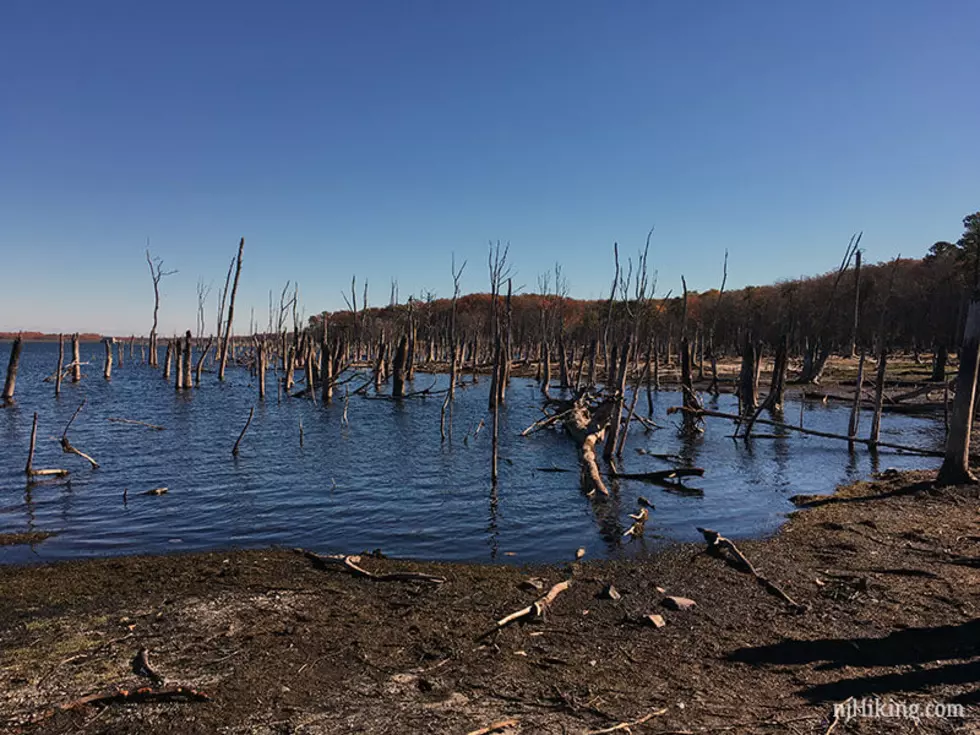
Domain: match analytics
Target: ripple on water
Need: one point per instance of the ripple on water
(385, 481)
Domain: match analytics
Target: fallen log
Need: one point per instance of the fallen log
(136, 423)
(534, 611)
(809, 432)
(588, 427)
(718, 543)
(659, 475)
(351, 564)
(143, 695)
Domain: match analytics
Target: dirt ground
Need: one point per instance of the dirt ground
(889, 571)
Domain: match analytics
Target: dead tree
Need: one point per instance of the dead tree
(852, 425)
(446, 428)
(399, 366)
(12, 365)
(200, 361)
(955, 469)
(223, 357)
(61, 361)
(107, 369)
(818, 353)
(76, 367)
(857, 302)
(619, 387)
(157, 273)
(747, 393)
(187, 381)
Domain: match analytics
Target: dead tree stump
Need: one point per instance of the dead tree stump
(12, 366)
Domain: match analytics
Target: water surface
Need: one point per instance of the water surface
(385, 480)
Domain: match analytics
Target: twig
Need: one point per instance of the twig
(627, 726)
(495, 727)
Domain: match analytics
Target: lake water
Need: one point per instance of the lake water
(385, 480)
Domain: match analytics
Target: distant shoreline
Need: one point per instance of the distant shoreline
(44, 337)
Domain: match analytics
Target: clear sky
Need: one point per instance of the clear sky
(379, 138)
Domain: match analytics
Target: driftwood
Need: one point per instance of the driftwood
(66, 445)
(495, 727)
(351, 564)
(627, 726)
(639, 522)
(136, 423)
(534, 611)
(659, 475)
(718, 543)
(588, 427)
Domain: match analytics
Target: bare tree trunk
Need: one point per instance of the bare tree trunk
(178, 364)
(76, 371)
(546, 368)
(593, 354)
(260, 357)
(852, 425)
(879, 397)
(956, 465)
(188, 381)
(617, 415)
(200, 362)
(61, 363)
(107, 369)
(223, 360)
(168, 356)
(940, 357)
(746, 380)
(857, 302)
(399, 366)
(12, 366)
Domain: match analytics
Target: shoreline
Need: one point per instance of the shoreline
(887, 569)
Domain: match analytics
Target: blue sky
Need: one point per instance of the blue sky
(380, 138)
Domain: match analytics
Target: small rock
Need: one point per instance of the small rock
(580, 553)
(678, 603)
(656, 621)
(643, 501)
(610, 593)
(661, 590)
(156, 491)
(532, 584)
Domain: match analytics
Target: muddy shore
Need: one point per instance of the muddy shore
(888, 569)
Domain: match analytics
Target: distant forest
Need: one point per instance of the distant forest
(909, 304)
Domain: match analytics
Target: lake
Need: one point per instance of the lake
(385, 480)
